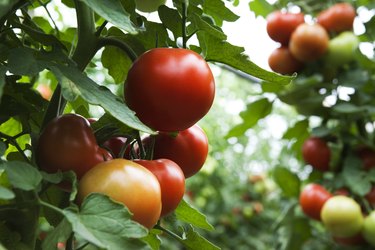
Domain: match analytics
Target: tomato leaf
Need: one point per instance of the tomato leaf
(188, 214)
(22, 61)
(218, 10)
(288, 181)
(153, 239)
(106, 224)
(193, 240)
(22, 175)
(297, 134)
(261, 7)
(61, 233)
(115, 60)
(6, 194)
(171, 19)
(357, 180)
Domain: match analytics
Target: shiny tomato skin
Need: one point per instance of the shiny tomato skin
(115, 144)
(309, 42)
(126, 182)
(281, 25)
(312, 199)
(316, 152)
(189, 149)
(170, 89)
(68, 143)
(171, 179)
(339, 17)
(283, 62)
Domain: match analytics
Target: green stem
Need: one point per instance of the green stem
(170, 233)
(13, 140)
(49, 206)
(50, 17)
(113, 41)
(185, 4)
(101, 28)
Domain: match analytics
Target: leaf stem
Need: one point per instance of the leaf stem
(47, 205)
(50, 17)
(13, 140)
(101, 28)
(170, 233)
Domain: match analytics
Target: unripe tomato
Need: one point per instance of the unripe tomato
(189, 149)
(148, 5)
(283, 62)
(342, 216)
(337, 18)
(316, 152)
(170, 89)
(171, 179)
(368, 230)
(341, 49)
(126, 182)
(312, 199)
(68, 143)
(309, 42)
(281, 25)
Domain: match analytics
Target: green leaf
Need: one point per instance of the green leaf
(113, 12)
(106, 224)
(3, 70)
(171, 19)
(347, 108)
(52, 178)
(261, 7)
(288, 181)
(357, 180)
(6, 193)
(22, 61)
(188, 214)
(297, 134)
(199, 24)
(60, 234)
(116, 61)
(218, 10)
(22, 175)
(153, 240)
(193, 240)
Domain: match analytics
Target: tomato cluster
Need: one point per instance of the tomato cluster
(329, 37)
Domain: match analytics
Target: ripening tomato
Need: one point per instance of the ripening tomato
(312, 199)
(148, 5)
(170, 89)
(339, 17)
(68, 143)
(309, 42)
(283, 62)
(316, 152)
(126, 182)
(368, 230)
(367, 156)
(171, 179)
(189, 148)
(341, 49)
(281, 25)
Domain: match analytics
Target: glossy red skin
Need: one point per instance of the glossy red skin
(312, 199)
(115, 144)
(370, 197)
(170, 89)
(68, 143)
(172, 182)
(309, 42)
(283, 62)
(316, 152)
(367, 155)
(188, 149)
(280, 26)
(337, 18)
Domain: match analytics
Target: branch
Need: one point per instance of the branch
(113, 41)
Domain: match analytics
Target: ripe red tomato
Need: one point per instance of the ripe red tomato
(309, 42)
(126, 182)
(312, 199)
(337, 18)
(170, 89)
(68, 143)
(171, 179)
(316, 152)
(115, 144)
(367, 155)
(281, 25)
(188, 149)
(283, 62)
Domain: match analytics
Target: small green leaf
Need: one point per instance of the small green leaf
(288, 182)
(193, 240)
(188, 214)
(22, 61)
(153, 239)
(116, 61)
(218, 10)
(171, 19)
(6, 194)
(52, 178)
(357, 180)
(22, 175)
(60, 234)
(261, 7)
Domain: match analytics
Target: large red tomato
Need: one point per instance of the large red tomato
(170, 89)
(171, 179)
(126, 182)
(337, 18)
(316, 152)
(312, 199)
(283, 62)
(68, 143)
(281, 25)
(189, 148)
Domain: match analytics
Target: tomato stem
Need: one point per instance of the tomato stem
(185, 4)
(106, 41)
(170, 233)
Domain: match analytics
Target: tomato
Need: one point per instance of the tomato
(368, 230)
(170, 89)
(337, 18)
(316, 152)
(148, 5)
(309, 42)
(367, 155)
(281, 25)
(341, 49)
(342, 216)
(189, 149)
(312, 199)
(128, 183)
(115, 144)
(171, 179)
(350, 241)
(45, 91)
(370, 197)
(283, 62)
(68, 143)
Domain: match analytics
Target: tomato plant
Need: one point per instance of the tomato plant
(177, 90)
(283, 62)
(312, 199)
(337, 18)
(148, 5)
(316, 152)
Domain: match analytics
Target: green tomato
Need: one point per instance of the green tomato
(341, 49)
(148, 5)
(368, 230)
(342, 216)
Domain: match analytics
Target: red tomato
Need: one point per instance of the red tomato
(337, 18)
(283, 62)
(281, 25)
(312, 199)
(350, 241)
(367, 155)
(316, 152)
(115, 144)
(188, 149)
(370, 197)
(170, 89)
(126, 182)
(309, 42)
(68, 143)
(171, 179)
